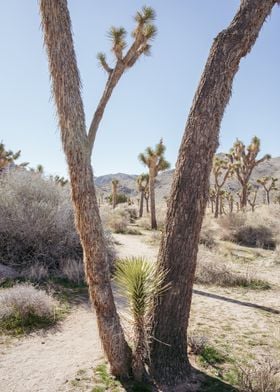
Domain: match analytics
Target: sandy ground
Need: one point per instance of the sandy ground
(244, 323)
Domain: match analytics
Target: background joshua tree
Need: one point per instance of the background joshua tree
(189, 193)
(115, 184)
(252, 192)
(244, 160)
(78, 144)
(230, 199)
(212, 199)
(156, 162)
(222, 169)
(269, 184)
(142, 186)
(8, 157)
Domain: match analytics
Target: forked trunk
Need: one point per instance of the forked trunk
(66, 90)
(152, 199)
(189, 193)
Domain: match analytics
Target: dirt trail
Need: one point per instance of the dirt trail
(47, 362)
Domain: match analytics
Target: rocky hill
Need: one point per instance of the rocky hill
(127, 182)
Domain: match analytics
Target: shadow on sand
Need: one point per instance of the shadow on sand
(236, 301)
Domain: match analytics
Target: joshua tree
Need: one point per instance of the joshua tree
(138, 281)
(142, 186)
(7, 157)
(252, 193)
(244, 160)
(212, 199)
(147, 197)
(269, 184)
(230, 198)
(189, 193)
(156, 162)
(222, 169)
(115, 184)
(78, 145)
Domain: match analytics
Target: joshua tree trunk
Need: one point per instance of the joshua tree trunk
(244, 196)
(217, 203)
(189, 192)
(66, 90)
(152, 198)
(141, 204)
(147, 203)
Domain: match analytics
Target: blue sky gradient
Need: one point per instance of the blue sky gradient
(152, 100)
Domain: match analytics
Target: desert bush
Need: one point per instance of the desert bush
(258, 229)
(37, 224)
(72, 270)
(37, 232)
(133, 213)
(207, 238)
(118, 220)
(197, 343)
(214, 272)
(23, 307)
(259, 236)
(260, 377)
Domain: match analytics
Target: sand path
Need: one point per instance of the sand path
(46, 362)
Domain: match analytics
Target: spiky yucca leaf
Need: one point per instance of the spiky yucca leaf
(146, 15)
(138, 281)
(117, 35)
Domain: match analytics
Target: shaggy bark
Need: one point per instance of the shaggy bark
(66, 90)
(178, 252)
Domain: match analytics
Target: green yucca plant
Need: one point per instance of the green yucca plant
(138, 281)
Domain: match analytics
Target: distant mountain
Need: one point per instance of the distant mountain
(127, 182)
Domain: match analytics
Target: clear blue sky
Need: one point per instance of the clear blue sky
(152, 100)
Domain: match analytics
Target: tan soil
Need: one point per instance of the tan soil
(231, 318)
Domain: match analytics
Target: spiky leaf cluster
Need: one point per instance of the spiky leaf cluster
(7, 156)
(143, 33)
(139, 281)
(154, 158)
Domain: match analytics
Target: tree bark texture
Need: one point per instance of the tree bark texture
(189, 192)
(141, 205)
(66, 91)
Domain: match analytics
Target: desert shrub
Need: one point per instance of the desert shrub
(144, 222)
(121, 198)
(37, 232)
(207, 238)
(259, 236)
(72, 270)
(260, 377)
(116, 219)
(37, 225)
(197, 344)
(23, 307)
(258, 229)
(133, 213)
(217, 273)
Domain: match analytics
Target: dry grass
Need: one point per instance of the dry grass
(212, 271)
(261, 376)
(23, 307)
